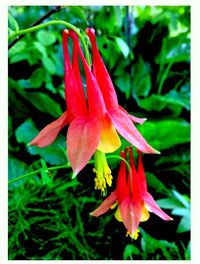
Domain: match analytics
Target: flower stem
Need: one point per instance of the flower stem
(119, 157)
(67, 166)
(50, 23)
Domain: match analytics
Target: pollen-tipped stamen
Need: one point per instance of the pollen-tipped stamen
(103, 172)
(134, 235)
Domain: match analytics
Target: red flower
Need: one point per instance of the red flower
(90, 127)
(119, 116)
(92, 118)
(134, 201)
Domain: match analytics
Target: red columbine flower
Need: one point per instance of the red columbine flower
(91, 122)
(131, 195)
(90, 127)
(119, 116)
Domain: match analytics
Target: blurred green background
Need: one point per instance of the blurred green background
(147, 52)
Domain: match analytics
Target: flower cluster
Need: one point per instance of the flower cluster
(95, 120)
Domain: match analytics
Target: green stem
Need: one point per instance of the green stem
(119, 157)
(67, 166)
(164, 76)
(50, 23)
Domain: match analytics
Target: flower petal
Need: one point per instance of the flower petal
(138, 120)
(152, 205)
(109, 139)
(48, 134)
(130, 214)
(123, 186)
(96, 103)
(74, 95)
(118, 215)
(141, 173)
(105, 205)
(126, 128)
(101, 73)
(144, 214)
(134, 119)
(82, 140)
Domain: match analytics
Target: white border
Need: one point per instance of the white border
(195, 101)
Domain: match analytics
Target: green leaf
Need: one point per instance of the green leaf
(181, 211)
(165, 134)
(52, 153)
(175, 49)
(123, 82)
(169, 203)
(142, 80)
(19, 57)
(49, 65)
(129, 252)
(12, 23)
(181, 198)
(155, 183)
(40, 48)
(44, 103)
(123, 47)
(46, 38)
(150, 245)
(109, 19)
(174, 101)
(37, 78)
(184, 225)
(178, 156)
(77, 11)
(107, 47)
(17, 48)
(187, 251)
(16, 167)
(182, 169)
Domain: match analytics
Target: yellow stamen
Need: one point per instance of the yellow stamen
(134, 235)
(102, 171)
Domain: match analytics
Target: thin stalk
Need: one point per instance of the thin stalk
(37, 22)
(164, 76)
(119, 157)
(67, 166)
(50, 23)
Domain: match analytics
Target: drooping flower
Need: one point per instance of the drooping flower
(119, 116)
(90, 127)
(132, 197)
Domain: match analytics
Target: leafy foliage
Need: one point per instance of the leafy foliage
(147, 53)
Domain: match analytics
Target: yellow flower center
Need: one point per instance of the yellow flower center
(135, 235)
(102, 171)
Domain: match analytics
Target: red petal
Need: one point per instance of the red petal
(75, 99)
(101, 73)
(48, 134)
(105, 205)
(152, 206)
(143, 182)
(82, 140)
(138, 120)
(95, 99)
(131, 214)
(136, 184)
(126, 128)
(134, 119)
(122, 188)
